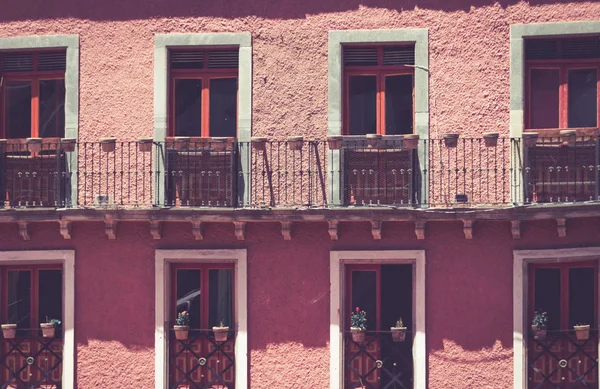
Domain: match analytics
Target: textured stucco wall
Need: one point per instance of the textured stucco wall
(469, 295)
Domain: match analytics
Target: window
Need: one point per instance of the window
(379, 86)
(33, 94)
(30, 295)
(204, 88)
(562, 83)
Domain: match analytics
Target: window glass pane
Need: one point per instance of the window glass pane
(50, 295)
(581, 296)
(583, 98)
(547, 295)
(19, 298)
(220, 306)
(188, 101)
(364, 295)
(396, 295)
(398, 105)
(18, 109)
(223, 107)
(544, 98)
(363, 105)
(188, 295)
(52, 108)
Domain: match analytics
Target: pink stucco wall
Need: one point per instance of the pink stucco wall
(469, 296)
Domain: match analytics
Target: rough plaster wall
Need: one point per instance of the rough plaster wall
(469, 295)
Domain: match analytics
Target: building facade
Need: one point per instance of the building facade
(275, 169)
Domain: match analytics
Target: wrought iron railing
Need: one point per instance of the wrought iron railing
(391, 171)
(31, 361)
(379, 362)
(561, 361)
(201, 362)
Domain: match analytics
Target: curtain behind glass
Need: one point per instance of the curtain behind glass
(221, 297)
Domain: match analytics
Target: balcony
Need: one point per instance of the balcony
(348, 172)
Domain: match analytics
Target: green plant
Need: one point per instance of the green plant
(580, 323)
(540, 320)
(221, 324)
(54, 322)
(183, 319)
(399, 323)
(358, 319)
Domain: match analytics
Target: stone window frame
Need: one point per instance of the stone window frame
(420, 36)
(71, 44)
(521, 260)
(337, 262)
(162, 43)
(163, 260)
(66, 258)
(518, 33)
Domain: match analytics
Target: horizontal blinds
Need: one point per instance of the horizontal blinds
(25, 62)
(369, 56)
(201, 59)
(582, 48)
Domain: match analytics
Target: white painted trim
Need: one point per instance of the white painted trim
(336, 276)
(67, 259)
(522, 258)
(163, 258)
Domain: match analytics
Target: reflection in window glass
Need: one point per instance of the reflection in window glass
(220, 306)
(50, 295)
(581, 296)
(223, 107)
(363, 105)
(19, 298)
(52, 108)
(547, 295)
(18, 109)
(188, 100)
(398, 105)
(544, 98)
(583, 94)
(188, 294)
(364, 295)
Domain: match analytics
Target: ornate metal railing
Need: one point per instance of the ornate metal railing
(30, 361)
(561, 361)
(200, 362)
(379, 362)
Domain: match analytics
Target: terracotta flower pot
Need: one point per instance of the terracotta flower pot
(221, 333)
(258, 143)
(335, 142)
(218, 144)
(68, 144)
(9, 331)
(530, 139)
(295, 142)
(568, 137)
(398, 334)
(411, 141)
(182, 142)
(582, 332)
(34, 145)
(108, 144)
(181, 332)
(451, 140)
(48, 330)
(3, 144)
(373, 140)
(358, 335)
(539, 333)
(145, 144)
(491, 139)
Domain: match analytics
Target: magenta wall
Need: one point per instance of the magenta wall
(469, 295)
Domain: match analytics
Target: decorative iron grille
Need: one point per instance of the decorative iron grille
(200, 362)
(30, 361)
(379, 362)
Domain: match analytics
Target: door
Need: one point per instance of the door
(205, 291)
(385, 293)
(567, 292)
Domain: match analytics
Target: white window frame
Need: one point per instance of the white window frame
(66, 258)
(163, 260)
(337, 262)
(521, 261)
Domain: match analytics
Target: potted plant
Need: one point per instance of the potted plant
(411, 141)
(9, 331)
(182, 325)
(68, 144)
(451, 140)
(358, 325)
(34, 144)
(491, 139)
(108, 144)
(568, 137)
(582, 331)
(181, 142)
(335, 142)
(49, 327)
(259, 142)
(373, 140)
(221, 331)
(399, 331)
(145, 144)
(295, 142)
(539, 325)
(530, 139)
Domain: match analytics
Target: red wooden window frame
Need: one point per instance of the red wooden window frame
(34, 293)
(381, 72)
(205, 74)
(204, 291)
(564, 289)
(34, 77)
(563, 65)
(348, 305)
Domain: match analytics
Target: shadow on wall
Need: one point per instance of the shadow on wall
(286, 9)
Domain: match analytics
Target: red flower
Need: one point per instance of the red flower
(357, 309)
